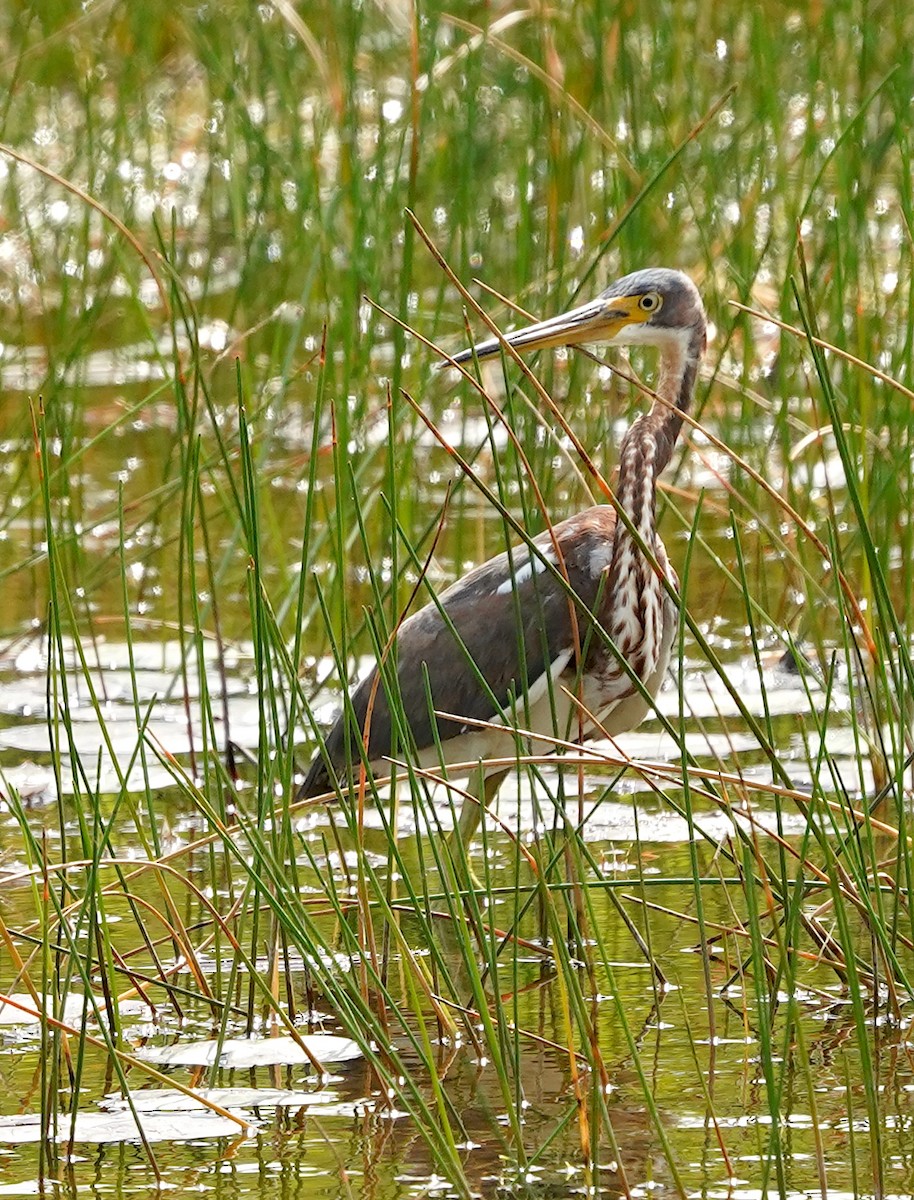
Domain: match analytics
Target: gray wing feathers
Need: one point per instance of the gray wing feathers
(506, 623)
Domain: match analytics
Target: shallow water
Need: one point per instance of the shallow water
(278, 183)
(305, 1132)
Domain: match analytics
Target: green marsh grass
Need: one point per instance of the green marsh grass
(225, 434)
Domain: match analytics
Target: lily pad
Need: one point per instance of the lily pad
(167, 1100)
(254, 1052)
(121, 1127)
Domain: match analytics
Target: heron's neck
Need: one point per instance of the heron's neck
(648, 445)
(635, 597)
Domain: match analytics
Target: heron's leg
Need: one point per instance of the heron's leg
(481, 794)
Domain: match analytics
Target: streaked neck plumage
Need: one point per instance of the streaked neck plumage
(635, 593)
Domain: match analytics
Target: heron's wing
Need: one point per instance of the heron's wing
(491, 639)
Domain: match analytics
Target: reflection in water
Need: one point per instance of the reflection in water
(264, 156)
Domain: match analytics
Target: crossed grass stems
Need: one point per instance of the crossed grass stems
(837, 895)
(843, 888)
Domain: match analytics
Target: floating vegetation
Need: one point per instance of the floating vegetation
(231, 466)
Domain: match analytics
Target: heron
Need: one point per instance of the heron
(567, 635)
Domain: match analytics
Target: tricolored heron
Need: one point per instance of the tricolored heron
(535, 637)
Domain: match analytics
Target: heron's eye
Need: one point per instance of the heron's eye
(650, 302)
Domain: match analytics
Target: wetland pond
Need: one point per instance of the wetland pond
(230, 464)
(694, 1030)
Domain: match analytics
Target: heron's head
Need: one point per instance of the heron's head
(653, 307)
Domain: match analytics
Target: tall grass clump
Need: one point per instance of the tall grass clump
(232, 245)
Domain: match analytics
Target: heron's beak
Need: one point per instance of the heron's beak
(602, 320)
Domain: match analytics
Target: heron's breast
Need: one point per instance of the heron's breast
(635, 615)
